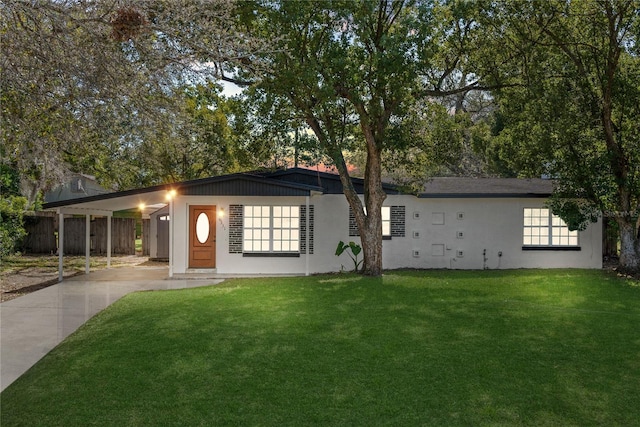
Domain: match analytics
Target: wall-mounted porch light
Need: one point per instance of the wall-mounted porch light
(221, 217)
(171, 194)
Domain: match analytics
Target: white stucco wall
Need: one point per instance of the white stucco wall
(227, 263)
(489, 226)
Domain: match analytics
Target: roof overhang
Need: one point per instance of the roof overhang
(476, 188)
(483, 195)
(150, 199)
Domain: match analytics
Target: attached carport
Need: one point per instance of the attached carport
(147, 200)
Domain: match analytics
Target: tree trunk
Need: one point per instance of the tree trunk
(371, 238)
(629, 245)
(369, 224)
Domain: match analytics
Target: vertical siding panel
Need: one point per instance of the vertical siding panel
(146, 237)
(40, 238)
(74, 231)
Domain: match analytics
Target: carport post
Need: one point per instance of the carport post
(109, 240)
(87, 243)
(171, 237)
(60, 246)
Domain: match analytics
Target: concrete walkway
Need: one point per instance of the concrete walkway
(32, 325)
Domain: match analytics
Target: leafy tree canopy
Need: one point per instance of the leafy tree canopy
(357, 74)
(85, 85)
(575, 112)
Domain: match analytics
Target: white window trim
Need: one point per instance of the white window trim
(550, 236)
(272, 228)
(387, 210)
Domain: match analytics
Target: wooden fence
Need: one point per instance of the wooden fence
(146, 237)
(74, 232)
(123, 236)
(41, 237)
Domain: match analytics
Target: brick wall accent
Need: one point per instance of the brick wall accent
(353, 226)
(397, 221)
(235, 228)
(303, 228)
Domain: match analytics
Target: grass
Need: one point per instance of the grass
(413, 348)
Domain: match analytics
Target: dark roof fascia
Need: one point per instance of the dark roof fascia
(460, 187)
(483, 196)
(179, 185)
(393, 189)
(254, 178)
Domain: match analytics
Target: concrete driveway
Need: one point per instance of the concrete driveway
(32, 325)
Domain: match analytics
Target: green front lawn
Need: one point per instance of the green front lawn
(524, 347)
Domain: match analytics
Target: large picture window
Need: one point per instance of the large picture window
(271, 229)
(542, 228)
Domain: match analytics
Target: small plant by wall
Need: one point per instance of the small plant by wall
(353, 250)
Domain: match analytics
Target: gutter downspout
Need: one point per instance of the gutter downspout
(306, 257)
(171, 222)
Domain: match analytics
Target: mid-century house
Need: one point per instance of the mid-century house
(290, 222)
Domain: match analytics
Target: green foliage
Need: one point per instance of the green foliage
(356, 73)
(270, 132)
(355, 251)
(9, 179)
(573, 107)
(198, 143)
(576, 213)
(11, 223)
(98, 88)
(12, 208)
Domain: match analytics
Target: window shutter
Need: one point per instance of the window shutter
(235, 229)
(303, 228)
(353, 226)
(397, 221)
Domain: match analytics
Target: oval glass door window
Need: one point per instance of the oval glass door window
(202, 227)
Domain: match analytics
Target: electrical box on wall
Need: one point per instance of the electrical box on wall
(416, 234)
(460, 234)
(459, 253)
(416, 253)
(460, 216)
(416, 215)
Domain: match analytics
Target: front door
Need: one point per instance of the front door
(202, 236)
